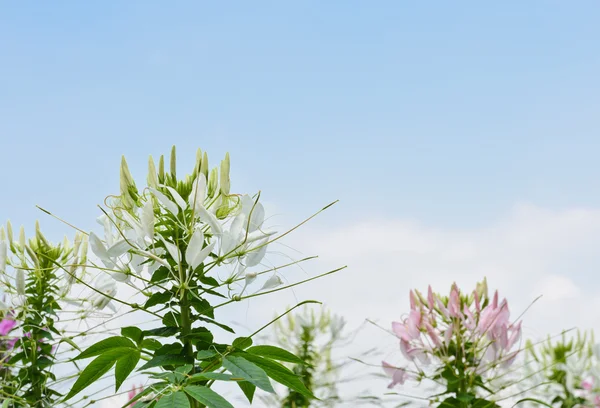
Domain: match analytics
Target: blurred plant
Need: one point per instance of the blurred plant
(315, 337)
(464, 343)
(168, 241)
(564, 373)
(36, 287)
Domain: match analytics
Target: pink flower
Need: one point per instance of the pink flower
(587, 384)
(399, 375)
(6, 325)
(134, 391)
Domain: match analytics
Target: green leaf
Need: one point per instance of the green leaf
(450, 402)
(214, 376)
(163, 360)
(161, 332)
(105, 345)
(206, 396)
(158, 298)
(242, 343)
(160, 274)
(96, 369)
(125, 365)
(279, 373)
(275, 353)
(151, 344)
(221, 325)
(176, 400)
(240, 367)
(206, 354)
(132, 332)
(248, 389)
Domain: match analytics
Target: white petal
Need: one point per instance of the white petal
(198, 194)
(250, 277)
(169, 205)
(180, 201)
(202, 255)
(119, 276)
(118, 249)
(239, 222)
(194, 247)
(228, 243)
(106, 224)
(256, 256)
(147, 219)
(255, 211)
(211, 220)
(136, 263)
(98, 248)
(256, 235)
(172, 249)
(257, 218)
(134, 224)
(272, 282)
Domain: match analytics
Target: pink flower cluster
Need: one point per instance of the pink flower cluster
(6, 326)
(438, 326)
(589, 393)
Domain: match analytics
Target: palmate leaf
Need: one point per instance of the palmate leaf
(206, 396)
(125, 365)
(97, 368)
(240, 367)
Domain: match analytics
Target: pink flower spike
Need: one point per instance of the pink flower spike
(477, 303)
(398, 375)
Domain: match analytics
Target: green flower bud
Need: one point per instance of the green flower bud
(9, 231)
(204, 166)
(213, 182)
(225, 181)
(173, 163)
(152, 179)
(161, 169)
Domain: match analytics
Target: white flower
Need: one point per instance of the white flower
(195, 254)
(109, 256)
(105, 286)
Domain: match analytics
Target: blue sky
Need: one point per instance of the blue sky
(432, 122)
(449, 113)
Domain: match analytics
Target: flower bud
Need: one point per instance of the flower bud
(129, 191)
(22, 238)
(213, 182)
(161, 169)
(225, 181)
(152, 178)
(20, 282)
(9, 231)
(204, 166)
(173, 163)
